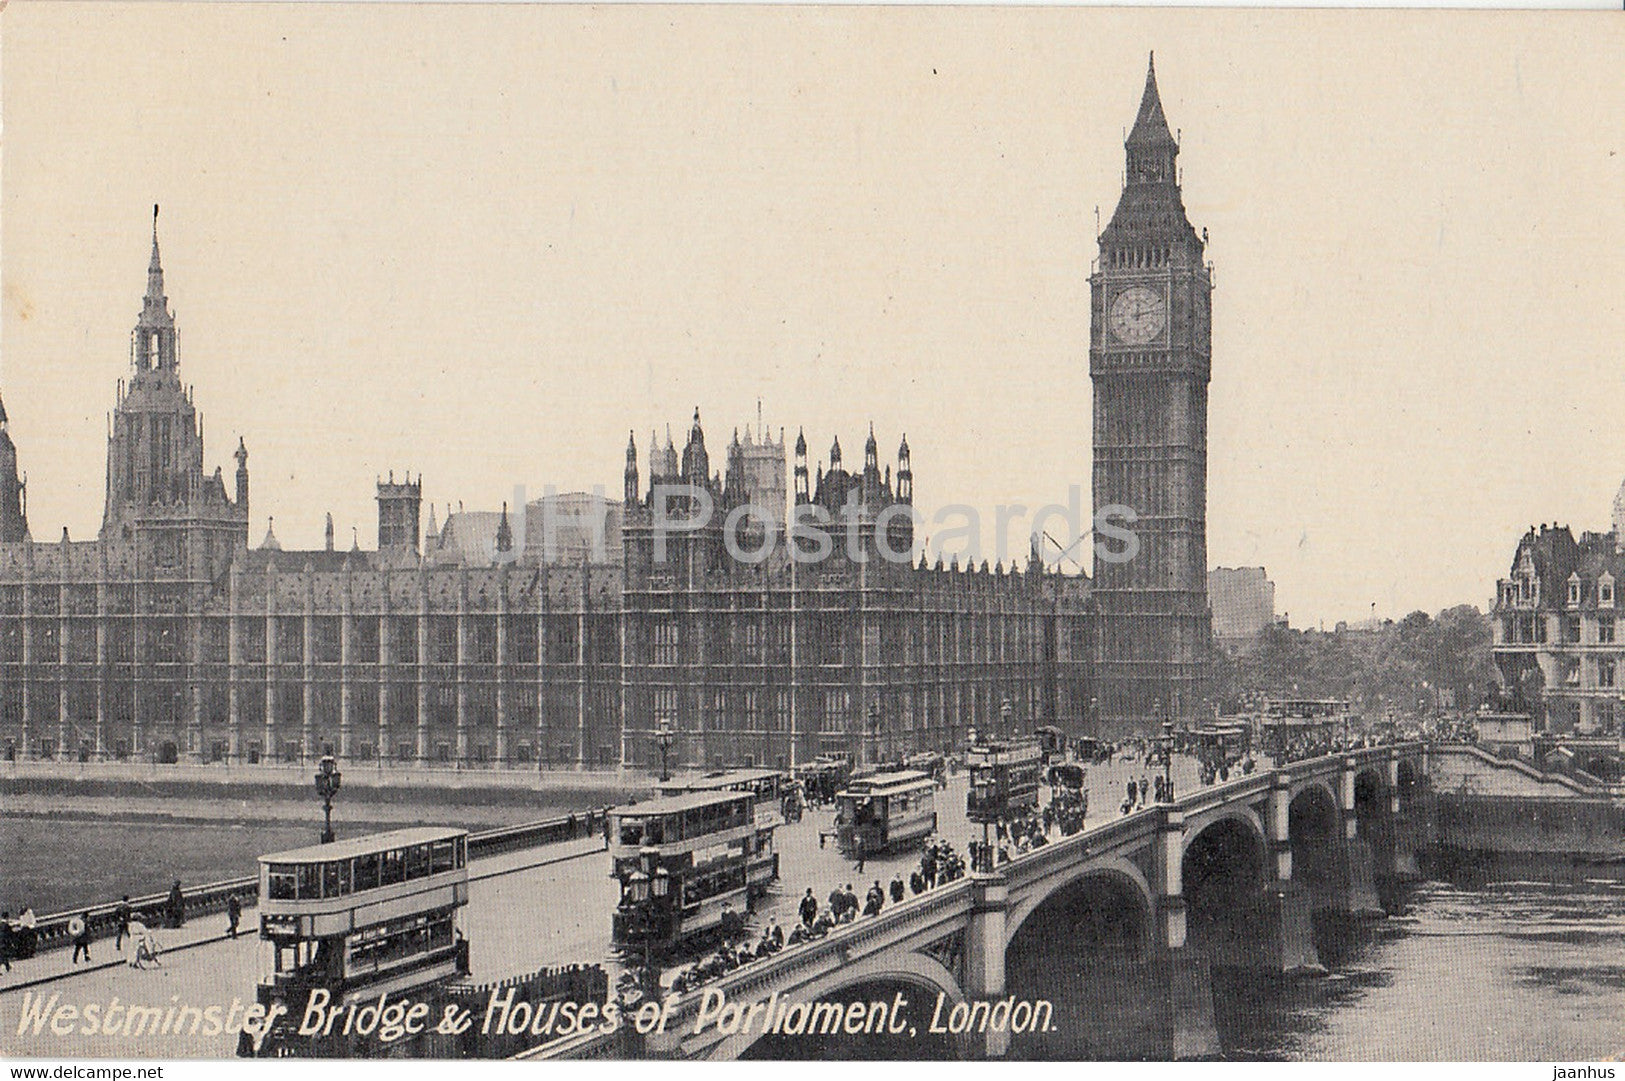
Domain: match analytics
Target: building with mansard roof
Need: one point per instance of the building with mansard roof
(1557, 629)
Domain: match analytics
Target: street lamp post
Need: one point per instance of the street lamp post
(869, 753)
(663, 736)
(328, 778)
(1168, 760)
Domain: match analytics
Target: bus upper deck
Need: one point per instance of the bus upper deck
(767, 786)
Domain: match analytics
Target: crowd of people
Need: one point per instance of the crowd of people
(938, 865)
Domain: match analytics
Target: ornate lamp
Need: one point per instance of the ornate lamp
(328, 779)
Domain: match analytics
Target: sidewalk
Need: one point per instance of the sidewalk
(48, 966)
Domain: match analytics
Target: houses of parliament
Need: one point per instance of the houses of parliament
(498, 639)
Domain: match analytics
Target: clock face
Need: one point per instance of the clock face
(1137, 315)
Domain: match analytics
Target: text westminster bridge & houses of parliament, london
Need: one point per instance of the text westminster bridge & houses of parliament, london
(169, 638)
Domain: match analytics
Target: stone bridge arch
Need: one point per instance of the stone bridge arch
(1315, 835)
(1321, 783)
(1408, 783)
(1244, 814)
(1085, 941)
(1373, 805)
(881, 974)
(1109, 871)
(1224, 867)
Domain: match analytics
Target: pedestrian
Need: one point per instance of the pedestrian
(79, 928)
(898, 891)
(809, 908)
(1145, 787)
(176, 905)
(234, 915)
(837, 902)
(858, 845)
(1133, 790)
(122, 915)
(140, 944)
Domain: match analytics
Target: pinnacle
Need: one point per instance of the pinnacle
(1150, 125)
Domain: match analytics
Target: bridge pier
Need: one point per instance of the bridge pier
(1285, 940)
(1404, 866)
(1181, 974)
(984, 950)
(1183, 984)
(1363, 898)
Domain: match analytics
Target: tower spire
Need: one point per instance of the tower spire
(153, 341)
(1150, 125)
(155, 299)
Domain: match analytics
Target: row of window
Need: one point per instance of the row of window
(695, 822)
(399, 940)
(1530, 629)
(369, 871)
(1525, 590)
(1604, 669)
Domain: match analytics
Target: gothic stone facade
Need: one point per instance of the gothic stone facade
(168, 638)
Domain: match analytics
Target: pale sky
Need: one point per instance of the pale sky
(483, 243)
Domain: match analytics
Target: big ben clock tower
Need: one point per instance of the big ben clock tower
(1149, 353)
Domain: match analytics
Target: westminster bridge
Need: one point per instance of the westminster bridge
(1133, 928)
(1123, 923)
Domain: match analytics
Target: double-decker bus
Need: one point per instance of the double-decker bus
(1051, 743)
(1004, 779)
(682, 861)
(884, 811)
(1312, 723)
(768, 786)
(362, 916)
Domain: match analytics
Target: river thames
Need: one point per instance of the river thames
(1514, 970)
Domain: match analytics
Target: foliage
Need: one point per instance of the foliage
(1420, 664)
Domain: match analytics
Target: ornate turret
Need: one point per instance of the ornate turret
(696, 462)
(242, 474)
(399, 510)
(803, 492)
(504, 532)
(1151, 146)
(630, 487)
(905, 474)
(13, 489)
(158, 494)
(153, 340)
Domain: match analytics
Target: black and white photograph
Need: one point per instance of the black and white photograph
(803, 533)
